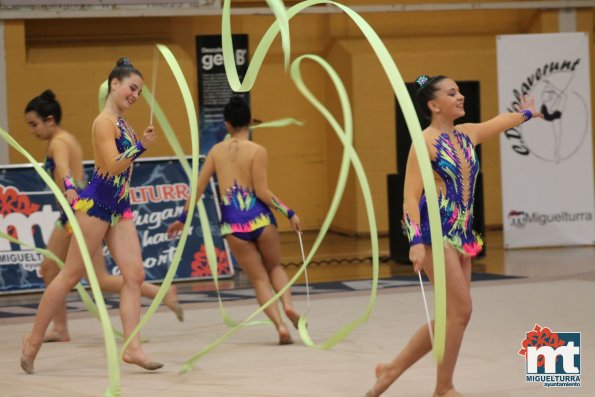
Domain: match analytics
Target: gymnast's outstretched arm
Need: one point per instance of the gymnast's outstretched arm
(481, 132)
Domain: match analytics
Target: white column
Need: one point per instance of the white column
(3, 98)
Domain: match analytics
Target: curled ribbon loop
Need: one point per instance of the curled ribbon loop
(172, 139)
(349, 157)
(406, 104)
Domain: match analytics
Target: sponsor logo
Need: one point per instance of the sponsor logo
(552, 358)
(520, 219)
(23, 219)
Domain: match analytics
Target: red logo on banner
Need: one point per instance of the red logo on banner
(541, 337)
(12, 201)
(200, 264)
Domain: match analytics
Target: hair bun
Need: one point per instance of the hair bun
(48, 95)
(124, 62)
(421, 80)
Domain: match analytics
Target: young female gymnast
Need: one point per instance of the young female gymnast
(64, 157)
(103, 212)
(246, 220)
(452, 152)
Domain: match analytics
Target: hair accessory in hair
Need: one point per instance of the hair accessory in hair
(125, 62)
(421, 80)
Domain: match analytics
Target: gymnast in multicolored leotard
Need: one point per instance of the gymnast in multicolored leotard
(64, 156)
(455, 164)
(103, 213)
(246, 219)
(107, 196)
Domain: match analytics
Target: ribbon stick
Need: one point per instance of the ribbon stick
(154, 82)
(423, 294)
(305, 275)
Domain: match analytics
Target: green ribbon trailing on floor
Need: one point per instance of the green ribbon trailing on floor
(193, 177)
(108, 334)
(406, 104)
(349, 157)
(193, 126)
(206, 230)
(85, 297)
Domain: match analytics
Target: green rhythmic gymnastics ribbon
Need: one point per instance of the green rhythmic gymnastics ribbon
(350, 157)
(207, 235)
(192, 172)
(277, 123)
(87, 300)
(114, 389)
(400, 91)
(193, 124)
(172, 139)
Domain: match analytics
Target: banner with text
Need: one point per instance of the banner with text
(159, 191)
(213, 89)
(547, 165)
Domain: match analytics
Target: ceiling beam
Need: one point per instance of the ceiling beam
(188, 8)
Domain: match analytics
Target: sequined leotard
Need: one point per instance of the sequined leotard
(106, 196)
(50, 166)
(243, 214)
(456, 204)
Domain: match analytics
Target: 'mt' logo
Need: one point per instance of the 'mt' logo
(552, 357)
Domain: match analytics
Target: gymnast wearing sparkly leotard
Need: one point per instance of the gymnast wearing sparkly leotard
(246, 219)
(243, 214)
(63, 162)
(452, 152)
(103, 213)
(456, 165)
(107, 196)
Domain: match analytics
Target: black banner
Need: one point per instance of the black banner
(213, 89)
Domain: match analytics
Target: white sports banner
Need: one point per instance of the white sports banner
(547, 165)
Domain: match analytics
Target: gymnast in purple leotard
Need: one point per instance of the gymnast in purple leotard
(103, 213)
(63, 162)
(107, 196)
(246, 219)
(455, 155)
(452, 152)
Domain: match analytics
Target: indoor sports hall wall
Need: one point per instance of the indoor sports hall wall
(73, 56)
